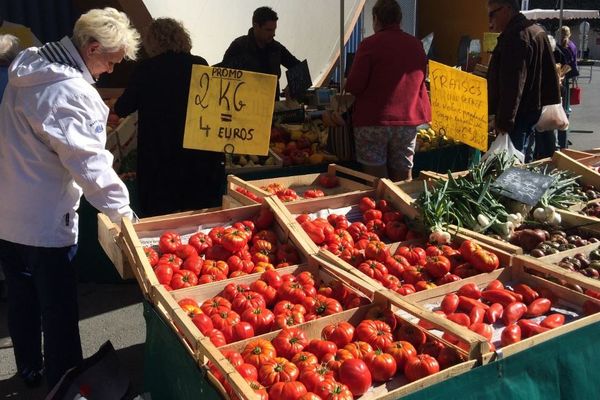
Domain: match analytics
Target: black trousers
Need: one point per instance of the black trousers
(42, 297)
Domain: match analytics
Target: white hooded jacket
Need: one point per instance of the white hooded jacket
(52, 149)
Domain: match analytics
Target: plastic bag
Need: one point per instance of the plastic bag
(503, 144)
(553, 117)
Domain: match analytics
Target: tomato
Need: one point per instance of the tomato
(395, 230)
(258, 351)
(215, 305)
(414, 255)
(510, 334)
(262, 319)
(169, 242)
(484, 261)
(277, 369)
(306, 278)
(448, 278)
(381, 365)
(530, 328)
(382, 313)
(313, 375)
(468, 248)
(233, 239)
(185, 250)
(460, 318)
(467, 303)
(372, 214)
(495, 284)
(314, 231)
(287, 391)
(233, 357)
(296, 292)
(217, 252)
(309, 396)
(264, 219)
(437, 266)
(366, 203)
(413, 335)
(333, 390)
(248, 371)
(376, 226)
(287, 253)
(287, 320)
(538, 307)
(493, 313)
(469, 290)
(194, 264)
(340, 333)
(513, 312)
(172, 260)
(320, 347)
(289, 342)
(420, 366)
(191, 310)
(183, 279)
(373, 269)
(327, 180)
(216, 337)
(476, 315)
(304, 358)
(322, 306)
(233, 289)
(432, 347)
(359, 349)
(338, 221)
(164, 273)
(377, 333)
(225, 318)
(482, 329)
(334, 360)
(259, 389)
(313, 193)
(356, 229)
(151, 255)
(553, 321)
(448, 357)
(355, 374)
(449, 303)
(246, 300)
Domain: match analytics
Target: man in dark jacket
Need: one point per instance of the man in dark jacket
(258, 51)
(522, 74)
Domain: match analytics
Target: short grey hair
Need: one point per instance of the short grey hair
(9, 48)
(109, 27)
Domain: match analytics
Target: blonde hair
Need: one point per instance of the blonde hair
(9, 48)
(109, 27)
(167, 34)
(565, 35)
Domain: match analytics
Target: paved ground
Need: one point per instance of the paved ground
(114, 312)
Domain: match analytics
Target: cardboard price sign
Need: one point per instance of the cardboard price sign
(522, 185)
(229, 110)
(459, 104)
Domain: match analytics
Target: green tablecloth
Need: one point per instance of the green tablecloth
(561, 368)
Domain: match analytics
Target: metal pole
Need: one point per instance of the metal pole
(342, 55)
(560, 22)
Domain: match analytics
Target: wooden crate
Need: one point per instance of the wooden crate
(185, 223)
(587, 175)
(569, 299)
(112, 241)
(349, 179)
(322, 271)
(257, 168)
(393, 389)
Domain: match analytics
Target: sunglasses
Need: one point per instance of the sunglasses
(493, 12)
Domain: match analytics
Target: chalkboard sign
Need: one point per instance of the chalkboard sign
(299, 81)
(522, 185)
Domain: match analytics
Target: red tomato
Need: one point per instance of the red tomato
(539, 306)
(377, 333)
(258, 351)
(169, 242)
(338, 221)
(511, 334)
(313, 193)
(420, 366)
(287, 253)
(287, 391)
(366, 203)
(194, 264)
(382, 313)
(185, 250)
(233, 239)
(372, 214)
(513, 312)
(304, 358)
(233, 289)
(356, 229)
(164, 273)
(322, 306)
(414, 255)
(495, 284)
(151, 255)
(530, 328)
(468, 248)
(277, 369)
(314, 375)
(241, 331)
(215, 305)
(246, 300)
(225, 318)
(483, 329)
(183, 279)
(411, 334)
(172, 260)
(289, 342)
(484, 261)
(553, 321)
(332, 390)
(373, 269)
(202, 322)
(264, 219)
(396, 230)
(334, 360)
(355, 374)
(449, 303)
(191, 310)
(248, 371)
(401, 351)
(469, 290)
(437, 266)
(260, 318)
(381, 365)
(494, 313)
(259, 390)
(288, 320)
(216, 337)
(340, 333)
(309, 396)
(476, 315)
(359, 349)
(448, 357)
(320, 347)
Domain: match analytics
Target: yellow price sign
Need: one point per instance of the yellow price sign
(459, 104)
(229, 110)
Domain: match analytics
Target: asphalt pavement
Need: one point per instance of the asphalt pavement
(114, 311)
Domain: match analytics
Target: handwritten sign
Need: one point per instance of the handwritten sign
(522, 185)
(459, 104)
(229, 110)
(299, 80)
(490, 39)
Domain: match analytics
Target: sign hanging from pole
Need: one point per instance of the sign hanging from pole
(229, 110)
(459, 105)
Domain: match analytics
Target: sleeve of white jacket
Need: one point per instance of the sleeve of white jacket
(77, 132)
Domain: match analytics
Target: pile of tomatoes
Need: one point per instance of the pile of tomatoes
(274, 301)
(517, 311)
(286, 194)
(246, 247)
(410, 268)
(344, 363)
(249, 194)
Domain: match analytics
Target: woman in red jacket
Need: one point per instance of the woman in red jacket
(388, 80)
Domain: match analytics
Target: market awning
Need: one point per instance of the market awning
(539, 13)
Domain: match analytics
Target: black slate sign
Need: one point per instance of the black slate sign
(299, 81)
(522, 185)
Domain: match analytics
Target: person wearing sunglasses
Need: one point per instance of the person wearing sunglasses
(522, 74)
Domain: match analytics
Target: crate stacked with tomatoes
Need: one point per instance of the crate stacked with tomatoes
(219, 253)
(337, 180)
(278, 298)
(509, 306)
(363, 352)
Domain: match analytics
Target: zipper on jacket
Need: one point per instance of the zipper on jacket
(67, 217)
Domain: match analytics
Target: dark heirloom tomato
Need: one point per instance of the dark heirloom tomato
(411, 334)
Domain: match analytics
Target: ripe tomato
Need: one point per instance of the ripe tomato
(414, 255)
(340, 333)
(381, 365)
(359, 349)
(216, 234)
(372, 214)
(401, 351)
(366, 203)
(164, 273)
(287, 320)
(202, 322)
(151, 255)
(355, 374)
(332, 390)
(334, 360)
(373, 269)
(191, 310)
(356, 229)
(225, 318)
(511, 334)
(172, 260)
(513, 312)
(377, 333)
(420, 366)
(553, 321)
(289, 342)
(248, 371)
(338, 221)
(304, 359)
(233, 357)
(264, 219)
(313, 193)
(245, 226)
(258, 351)
(277, 369)
(260, 318)
(259, 389)
(249, 299)
(449, 303)
(448, 357)
(169, 242)
(309, 396)
(216, 337)
(483, 329)
(215, 305)
(296, 292)
(194, 264)
(313, 375)
(183, 279)
(287, 391)
(328, 181)
(395, 230)
(437, 266)
(233, 239)
(320, 306)
(484, 261)
(287, 253)
(320, 347)
(185, 250)
(233, 289)
(411, 334)
(382, 313)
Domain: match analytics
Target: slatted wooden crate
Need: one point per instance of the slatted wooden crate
(568, 301)
(349, 181)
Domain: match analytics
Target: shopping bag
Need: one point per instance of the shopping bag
(552, 117)
(575, 96)
(98, 377)
(503, 144)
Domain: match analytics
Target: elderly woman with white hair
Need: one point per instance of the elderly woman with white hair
(9, 48)
(53, 133)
